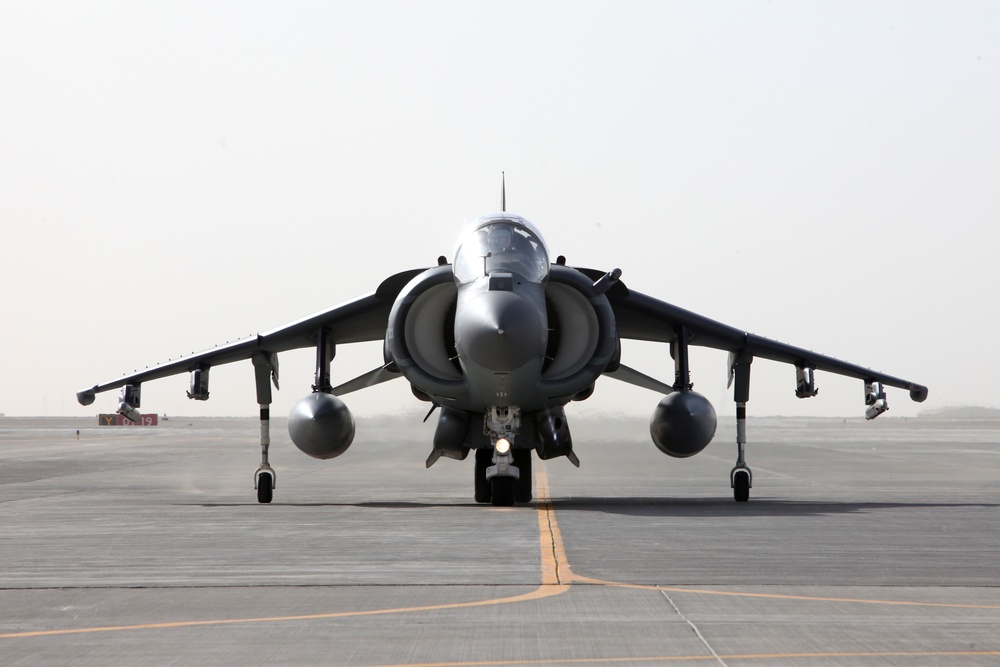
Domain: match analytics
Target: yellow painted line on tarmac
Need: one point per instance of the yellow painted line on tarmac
(555, 571)
(578, 579)
(812, 598)
(537, 594)
(556, 579)
(555, 565)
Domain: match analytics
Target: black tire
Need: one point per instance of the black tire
(483, 489)
(522, 488)
(264, 488)
(741, 486)
(503, 491)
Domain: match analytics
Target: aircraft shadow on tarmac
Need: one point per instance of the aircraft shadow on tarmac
(725, 507)
(658, 507)
(402, 505)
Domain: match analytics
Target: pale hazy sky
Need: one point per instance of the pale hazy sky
(174, 175)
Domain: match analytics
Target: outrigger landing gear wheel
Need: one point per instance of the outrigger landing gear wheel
(265, 488)
(741, 486)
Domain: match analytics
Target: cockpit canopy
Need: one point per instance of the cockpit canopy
(506, 243)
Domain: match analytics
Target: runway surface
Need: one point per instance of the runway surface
(862, 544)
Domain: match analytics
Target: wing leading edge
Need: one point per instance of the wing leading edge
(642, 317)
(362, 319)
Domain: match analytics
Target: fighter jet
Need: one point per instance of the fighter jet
(499, 341)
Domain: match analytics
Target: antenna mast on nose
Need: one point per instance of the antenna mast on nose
(503, 193)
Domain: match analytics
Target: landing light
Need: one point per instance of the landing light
(503, 446)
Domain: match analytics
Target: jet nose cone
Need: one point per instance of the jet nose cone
(501, 331)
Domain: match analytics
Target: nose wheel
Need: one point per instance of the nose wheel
(503, 491)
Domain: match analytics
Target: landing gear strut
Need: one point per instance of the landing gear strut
(265, 368)
(503, 475)
(264, 477)
(741, 478)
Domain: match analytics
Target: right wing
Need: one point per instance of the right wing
(642, 317)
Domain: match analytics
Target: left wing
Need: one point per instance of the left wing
(363, 319)
(641, 317)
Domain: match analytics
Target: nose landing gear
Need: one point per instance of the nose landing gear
(503, 491)
(502, 473)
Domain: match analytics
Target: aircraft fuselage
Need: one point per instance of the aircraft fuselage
(501, 333)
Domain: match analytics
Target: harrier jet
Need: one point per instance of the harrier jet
(500, 341)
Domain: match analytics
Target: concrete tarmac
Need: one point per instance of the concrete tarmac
(862, 544)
